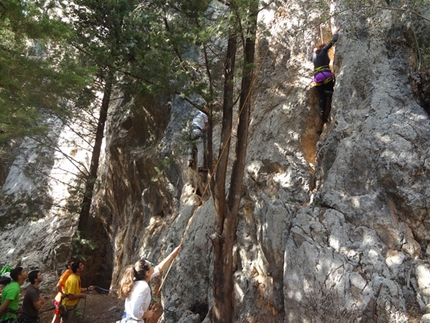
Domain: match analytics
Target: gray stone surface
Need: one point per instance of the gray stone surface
(334, 224)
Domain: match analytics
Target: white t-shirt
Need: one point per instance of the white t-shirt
(200, 120)
(137, 303)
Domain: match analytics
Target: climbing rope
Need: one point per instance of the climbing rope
(104, 290)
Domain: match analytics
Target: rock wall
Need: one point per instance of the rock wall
(334, 224)
(36, 227)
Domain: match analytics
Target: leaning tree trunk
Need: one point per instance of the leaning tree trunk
(227, 209)
(223, 287)
(92, 174)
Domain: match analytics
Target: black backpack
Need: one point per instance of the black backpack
(4, 280)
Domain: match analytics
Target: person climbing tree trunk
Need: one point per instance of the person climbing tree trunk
(227, 209)
(92, 173)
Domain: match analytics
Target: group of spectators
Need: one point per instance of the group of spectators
(33, 300)
(69, 294)
(134, 289)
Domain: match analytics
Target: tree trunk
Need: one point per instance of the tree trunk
(223, 284)
(227, 209)
(92, 175)
(223, 309)
(238, 169)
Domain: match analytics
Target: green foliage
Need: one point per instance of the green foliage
(425, 58)
(161, 168)
(82, 247)
(33, 82)
(178, 33)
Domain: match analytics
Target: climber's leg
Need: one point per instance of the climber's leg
(323, 101)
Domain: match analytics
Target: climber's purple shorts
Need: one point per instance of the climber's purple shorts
(321, 76)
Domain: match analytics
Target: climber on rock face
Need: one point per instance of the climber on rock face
(197, 137)
(323, 78)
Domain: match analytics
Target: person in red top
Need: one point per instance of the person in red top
(60, 287)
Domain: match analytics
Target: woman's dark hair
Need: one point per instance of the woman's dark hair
(319, 47)
(140, 269)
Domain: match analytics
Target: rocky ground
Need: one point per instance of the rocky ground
(100, 306)
(103, 307)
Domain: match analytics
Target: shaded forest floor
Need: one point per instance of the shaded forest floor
(108, 308)
(97, 308)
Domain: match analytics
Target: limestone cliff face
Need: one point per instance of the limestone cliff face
(334, 224)
(334, 227)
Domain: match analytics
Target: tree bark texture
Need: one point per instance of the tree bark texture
(227, 209)
(223, 285)
(92, 174)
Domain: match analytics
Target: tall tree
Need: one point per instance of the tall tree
(99, 134)
(102, 37)
(227, 206)
(239, 27)
(126, 42)
(38, 77)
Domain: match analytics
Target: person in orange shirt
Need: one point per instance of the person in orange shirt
(60, 286)
(74, 293)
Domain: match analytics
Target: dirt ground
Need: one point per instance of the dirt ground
(100, 306)
(108, 308)
(97, 308)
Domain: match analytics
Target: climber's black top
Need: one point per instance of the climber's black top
(320, 58)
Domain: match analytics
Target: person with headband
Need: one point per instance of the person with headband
(135, 290)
